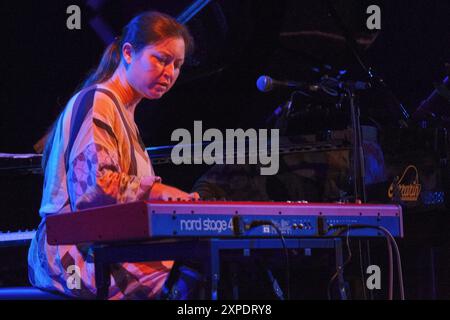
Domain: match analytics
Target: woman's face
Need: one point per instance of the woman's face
(153, 70)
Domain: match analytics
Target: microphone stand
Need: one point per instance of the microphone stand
(358, 155)
(358, 152)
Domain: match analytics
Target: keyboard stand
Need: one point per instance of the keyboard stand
(207, 251)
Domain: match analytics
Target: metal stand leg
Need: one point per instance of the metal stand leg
(215, 271)
(167, 290)
(340, 268)
(102, 280)
(234, 280)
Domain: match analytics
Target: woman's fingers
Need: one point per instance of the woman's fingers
(194, 196)
(182, 196)
(168, 193)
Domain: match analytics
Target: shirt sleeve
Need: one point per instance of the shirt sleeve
(95, 176)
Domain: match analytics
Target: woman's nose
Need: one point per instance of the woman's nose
(169, 71)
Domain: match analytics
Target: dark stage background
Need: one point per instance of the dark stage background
(236, 41)
(43, 62)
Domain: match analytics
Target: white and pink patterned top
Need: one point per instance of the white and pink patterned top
(95, 157)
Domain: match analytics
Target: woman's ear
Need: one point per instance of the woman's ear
(127, 52)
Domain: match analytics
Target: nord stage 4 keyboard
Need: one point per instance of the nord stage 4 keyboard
(160, 219)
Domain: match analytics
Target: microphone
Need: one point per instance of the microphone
(266, 84)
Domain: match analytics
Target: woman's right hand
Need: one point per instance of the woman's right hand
(164, 192)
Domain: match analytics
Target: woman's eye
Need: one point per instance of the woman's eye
(160, 59)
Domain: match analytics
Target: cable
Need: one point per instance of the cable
(391, 272)
(391, 263)
(399, 263)
(399, 260)
(258, 223)
(347, 229)
(391, 242)
(336, 274)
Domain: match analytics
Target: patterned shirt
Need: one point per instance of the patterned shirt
(97, 158)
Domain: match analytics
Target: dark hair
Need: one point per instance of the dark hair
(147, 28)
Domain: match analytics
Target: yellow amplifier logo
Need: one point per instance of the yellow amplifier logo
(407, 186)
